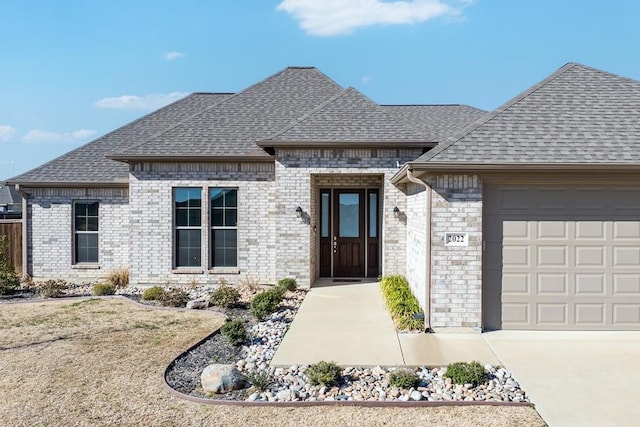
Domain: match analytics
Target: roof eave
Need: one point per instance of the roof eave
(70, 184)
(189, 159)
(444, 167)
(347, 144)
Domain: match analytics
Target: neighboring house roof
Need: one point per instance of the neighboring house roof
(10, 197)
(578, 115)
(89, 164)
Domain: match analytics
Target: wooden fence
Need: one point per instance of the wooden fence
(13, 229)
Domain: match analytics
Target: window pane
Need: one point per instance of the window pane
(92, 224)
(216, 218)
(224, 244)
(230, 217)
(324, 226)
(188, 248)
(349, 214)
(181, 196)
(86, 247)
(217, 198)
(182, 217)
(373, 215)
(81, 224)
(230, 198)
(92, 209)
(194, 217)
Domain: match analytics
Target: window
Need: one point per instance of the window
(188, 226)
(224, 227)
(85, 232)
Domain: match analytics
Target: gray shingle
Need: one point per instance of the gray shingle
(576, 115)
(88, 164)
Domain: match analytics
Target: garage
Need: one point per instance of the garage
(561, 257)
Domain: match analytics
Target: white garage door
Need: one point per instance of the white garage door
(561, 257)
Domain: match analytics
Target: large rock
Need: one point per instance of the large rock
(219, 379)
(198, 304)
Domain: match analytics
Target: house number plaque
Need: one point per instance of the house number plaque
(456, 239)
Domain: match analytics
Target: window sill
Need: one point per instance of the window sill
(85, 266)
(224, 270)
(187, 271)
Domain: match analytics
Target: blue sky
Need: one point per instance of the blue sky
(72, 70)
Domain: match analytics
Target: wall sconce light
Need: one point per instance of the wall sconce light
(396, 212)
(299, 212)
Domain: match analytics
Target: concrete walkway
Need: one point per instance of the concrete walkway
(348, 323)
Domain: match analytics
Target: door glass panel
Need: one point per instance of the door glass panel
(349, 214)
(324, 215)
(373, 215)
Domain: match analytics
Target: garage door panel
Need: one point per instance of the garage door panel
(590, 314)
(551, 256)
(589, 230)
(626, 256)
(626, 230)
(626, 314)
(590, 284)
(563, 257)
(626, 284)
(552, 284)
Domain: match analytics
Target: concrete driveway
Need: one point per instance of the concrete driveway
(575, 378)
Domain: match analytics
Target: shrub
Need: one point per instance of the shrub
(401, 302)
(324, 373)
(288, 284)
(52, 288)
(265, 303)
(175, 298)
(154, 293)
(225, 296)
(466, 373)
(104, 289)
(119, 278)
(403, 378)
(235, 332)
(9, 281)
(260, 380)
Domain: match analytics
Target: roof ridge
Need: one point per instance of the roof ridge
(498, 111)
(319, 108)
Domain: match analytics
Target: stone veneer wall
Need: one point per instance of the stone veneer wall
(152, 253)
(417, 242)
(50, 232)
(456, 276)
(296, 237)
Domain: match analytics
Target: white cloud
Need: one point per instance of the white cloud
(174, 54)
(134, 102)
(333, 17)
(6, 132)
(366, 79)
(39, 136)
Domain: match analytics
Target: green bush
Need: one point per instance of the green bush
(265, 303)
(9, 281)
(288, 284)
(154, 293)
(324, 373)
(260, 380)
(104, 289)
(401, 302)
(175, 298)
(403, 378)
(466, 373)
(52, 288)
(235, 332)
(119, 278)
(225, 296)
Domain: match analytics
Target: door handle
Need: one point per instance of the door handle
(335, 244)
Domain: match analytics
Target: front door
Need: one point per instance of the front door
(349, 233)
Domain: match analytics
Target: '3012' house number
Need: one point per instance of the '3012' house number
(456, 239)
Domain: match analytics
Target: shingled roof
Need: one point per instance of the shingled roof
(89, 165)
(578, 115)
(298, 104)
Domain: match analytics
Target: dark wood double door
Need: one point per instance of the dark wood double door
(349, 232)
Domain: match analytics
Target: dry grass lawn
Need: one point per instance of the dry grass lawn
(100, 362)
